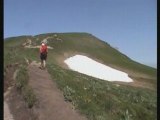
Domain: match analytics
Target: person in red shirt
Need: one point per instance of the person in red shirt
(43, 54)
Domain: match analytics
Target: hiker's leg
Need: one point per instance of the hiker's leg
(41, 58)
(41, 63)
(44, 63)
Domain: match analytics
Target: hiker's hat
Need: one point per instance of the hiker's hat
(44, 41)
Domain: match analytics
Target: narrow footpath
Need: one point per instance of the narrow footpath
(51, 104)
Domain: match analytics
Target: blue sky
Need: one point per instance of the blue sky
(129, 25)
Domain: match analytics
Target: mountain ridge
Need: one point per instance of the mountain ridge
(89, 39)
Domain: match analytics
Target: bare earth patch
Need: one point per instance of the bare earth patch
(51, 104)
(50, 100)
(14, 106)
(7, 112)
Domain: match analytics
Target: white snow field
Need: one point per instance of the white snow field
(92, 68)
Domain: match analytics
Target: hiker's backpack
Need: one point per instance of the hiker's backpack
(44, 49)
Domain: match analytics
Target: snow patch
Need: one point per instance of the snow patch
(92, 68)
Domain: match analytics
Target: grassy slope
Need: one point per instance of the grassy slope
(97, 99)
(83, 43)
(102, 100)
(86, 43)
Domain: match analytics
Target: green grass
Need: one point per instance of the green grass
(22, 85)
(86, 43)
(102, 100)
(97, 99)
(18, 54)
(74, 42)
(22, 77)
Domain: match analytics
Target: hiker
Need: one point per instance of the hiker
(43, 54)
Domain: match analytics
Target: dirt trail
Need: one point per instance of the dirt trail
(8, 83)
(51, 104)
(7, 112)
(14, 105)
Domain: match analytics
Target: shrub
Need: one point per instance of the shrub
(22, 85)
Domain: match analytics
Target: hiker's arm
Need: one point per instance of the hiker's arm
(47, 49)
(40, 50)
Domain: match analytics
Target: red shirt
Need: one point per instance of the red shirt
(43, 49)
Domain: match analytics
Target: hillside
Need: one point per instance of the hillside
(134, 100)
(85, 44)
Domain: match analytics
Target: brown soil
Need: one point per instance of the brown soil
(8, 78)
(17, 106)
(50, 101)
(14, 106)
(7, 112)
(51, 104)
